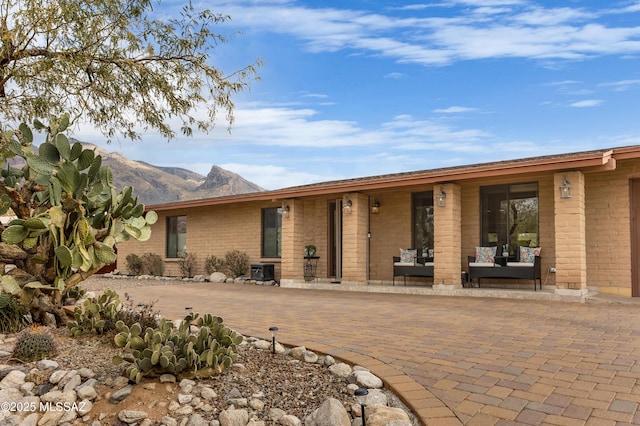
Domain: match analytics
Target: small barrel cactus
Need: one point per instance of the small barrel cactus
(34, 344)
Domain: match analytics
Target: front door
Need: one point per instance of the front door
(635, 237)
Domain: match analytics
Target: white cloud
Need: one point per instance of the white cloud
(587, 103)
(315, 95)
(622, 85)
(478, 29)
(454, 110)
(273, 177)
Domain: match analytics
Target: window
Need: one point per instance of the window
(422, 206)
(272, 232)
(510, 216)
(176, 236)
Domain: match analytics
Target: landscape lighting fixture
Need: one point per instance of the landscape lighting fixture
(441, 198)
(273, 331)
(188, 310)
(565, 188)
(361, 397)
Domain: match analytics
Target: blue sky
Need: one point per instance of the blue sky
(362, 88)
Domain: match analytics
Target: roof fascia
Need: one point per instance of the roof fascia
(587, 162)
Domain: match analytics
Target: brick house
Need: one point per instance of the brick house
(587, 234)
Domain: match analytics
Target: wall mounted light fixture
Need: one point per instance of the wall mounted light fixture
(565, 188)
(375, 207)
(441, 198)
(285, 211)
(346, 209)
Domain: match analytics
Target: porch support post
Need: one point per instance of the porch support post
(447, 238)
(292, 262)
(570, 235)
(355, 227)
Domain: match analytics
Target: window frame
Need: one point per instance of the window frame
(499, 205)
(179, 240)
(426, 198)
(276, 240)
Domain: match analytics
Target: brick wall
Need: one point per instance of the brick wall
(216, 229)
(608, 225)
(354, 240)
(390, 232)
(447, 243)
(570, 233)
(212, 230)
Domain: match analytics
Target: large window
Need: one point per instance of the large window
(510, 216)
(176, 236)
(272, 232)
(422, 206)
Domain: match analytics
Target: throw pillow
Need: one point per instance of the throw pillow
(408, 256)
(486, 254)
(528, 254)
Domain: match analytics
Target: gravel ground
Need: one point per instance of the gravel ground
(293, 386)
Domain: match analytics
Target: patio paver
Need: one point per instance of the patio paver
(453, 360)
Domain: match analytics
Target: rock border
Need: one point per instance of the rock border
(68, 396)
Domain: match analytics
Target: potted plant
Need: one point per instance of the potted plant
(309, 250)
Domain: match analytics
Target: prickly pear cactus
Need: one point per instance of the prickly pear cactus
(69, 214)
(208, 351)
(96, 315)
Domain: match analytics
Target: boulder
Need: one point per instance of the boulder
(297, 352)
(330, 413)
(132, 416)
(341, 370)
(217, 277)
(233, 418)
(13, 380)
(378, 415)
(367, 380)
(289, 420)
(310, 357)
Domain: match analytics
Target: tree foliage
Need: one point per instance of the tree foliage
(69, 216)
(111, 63)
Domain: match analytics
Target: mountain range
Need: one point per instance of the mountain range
(158, 185)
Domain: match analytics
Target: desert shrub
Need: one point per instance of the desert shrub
(141, 313)
(152, 264)
(214, 264)
(236, 262)
(12, 314)
(134, 264)
(188, 264)
(34, 344)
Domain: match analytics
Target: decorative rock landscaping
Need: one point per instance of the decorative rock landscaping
(216, 277)
(48, 395)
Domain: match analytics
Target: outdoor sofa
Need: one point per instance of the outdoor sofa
(411, 263)
(525, 266)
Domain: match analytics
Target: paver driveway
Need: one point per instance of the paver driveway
(454, 360)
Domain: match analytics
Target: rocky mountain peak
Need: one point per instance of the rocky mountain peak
(159, 185)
